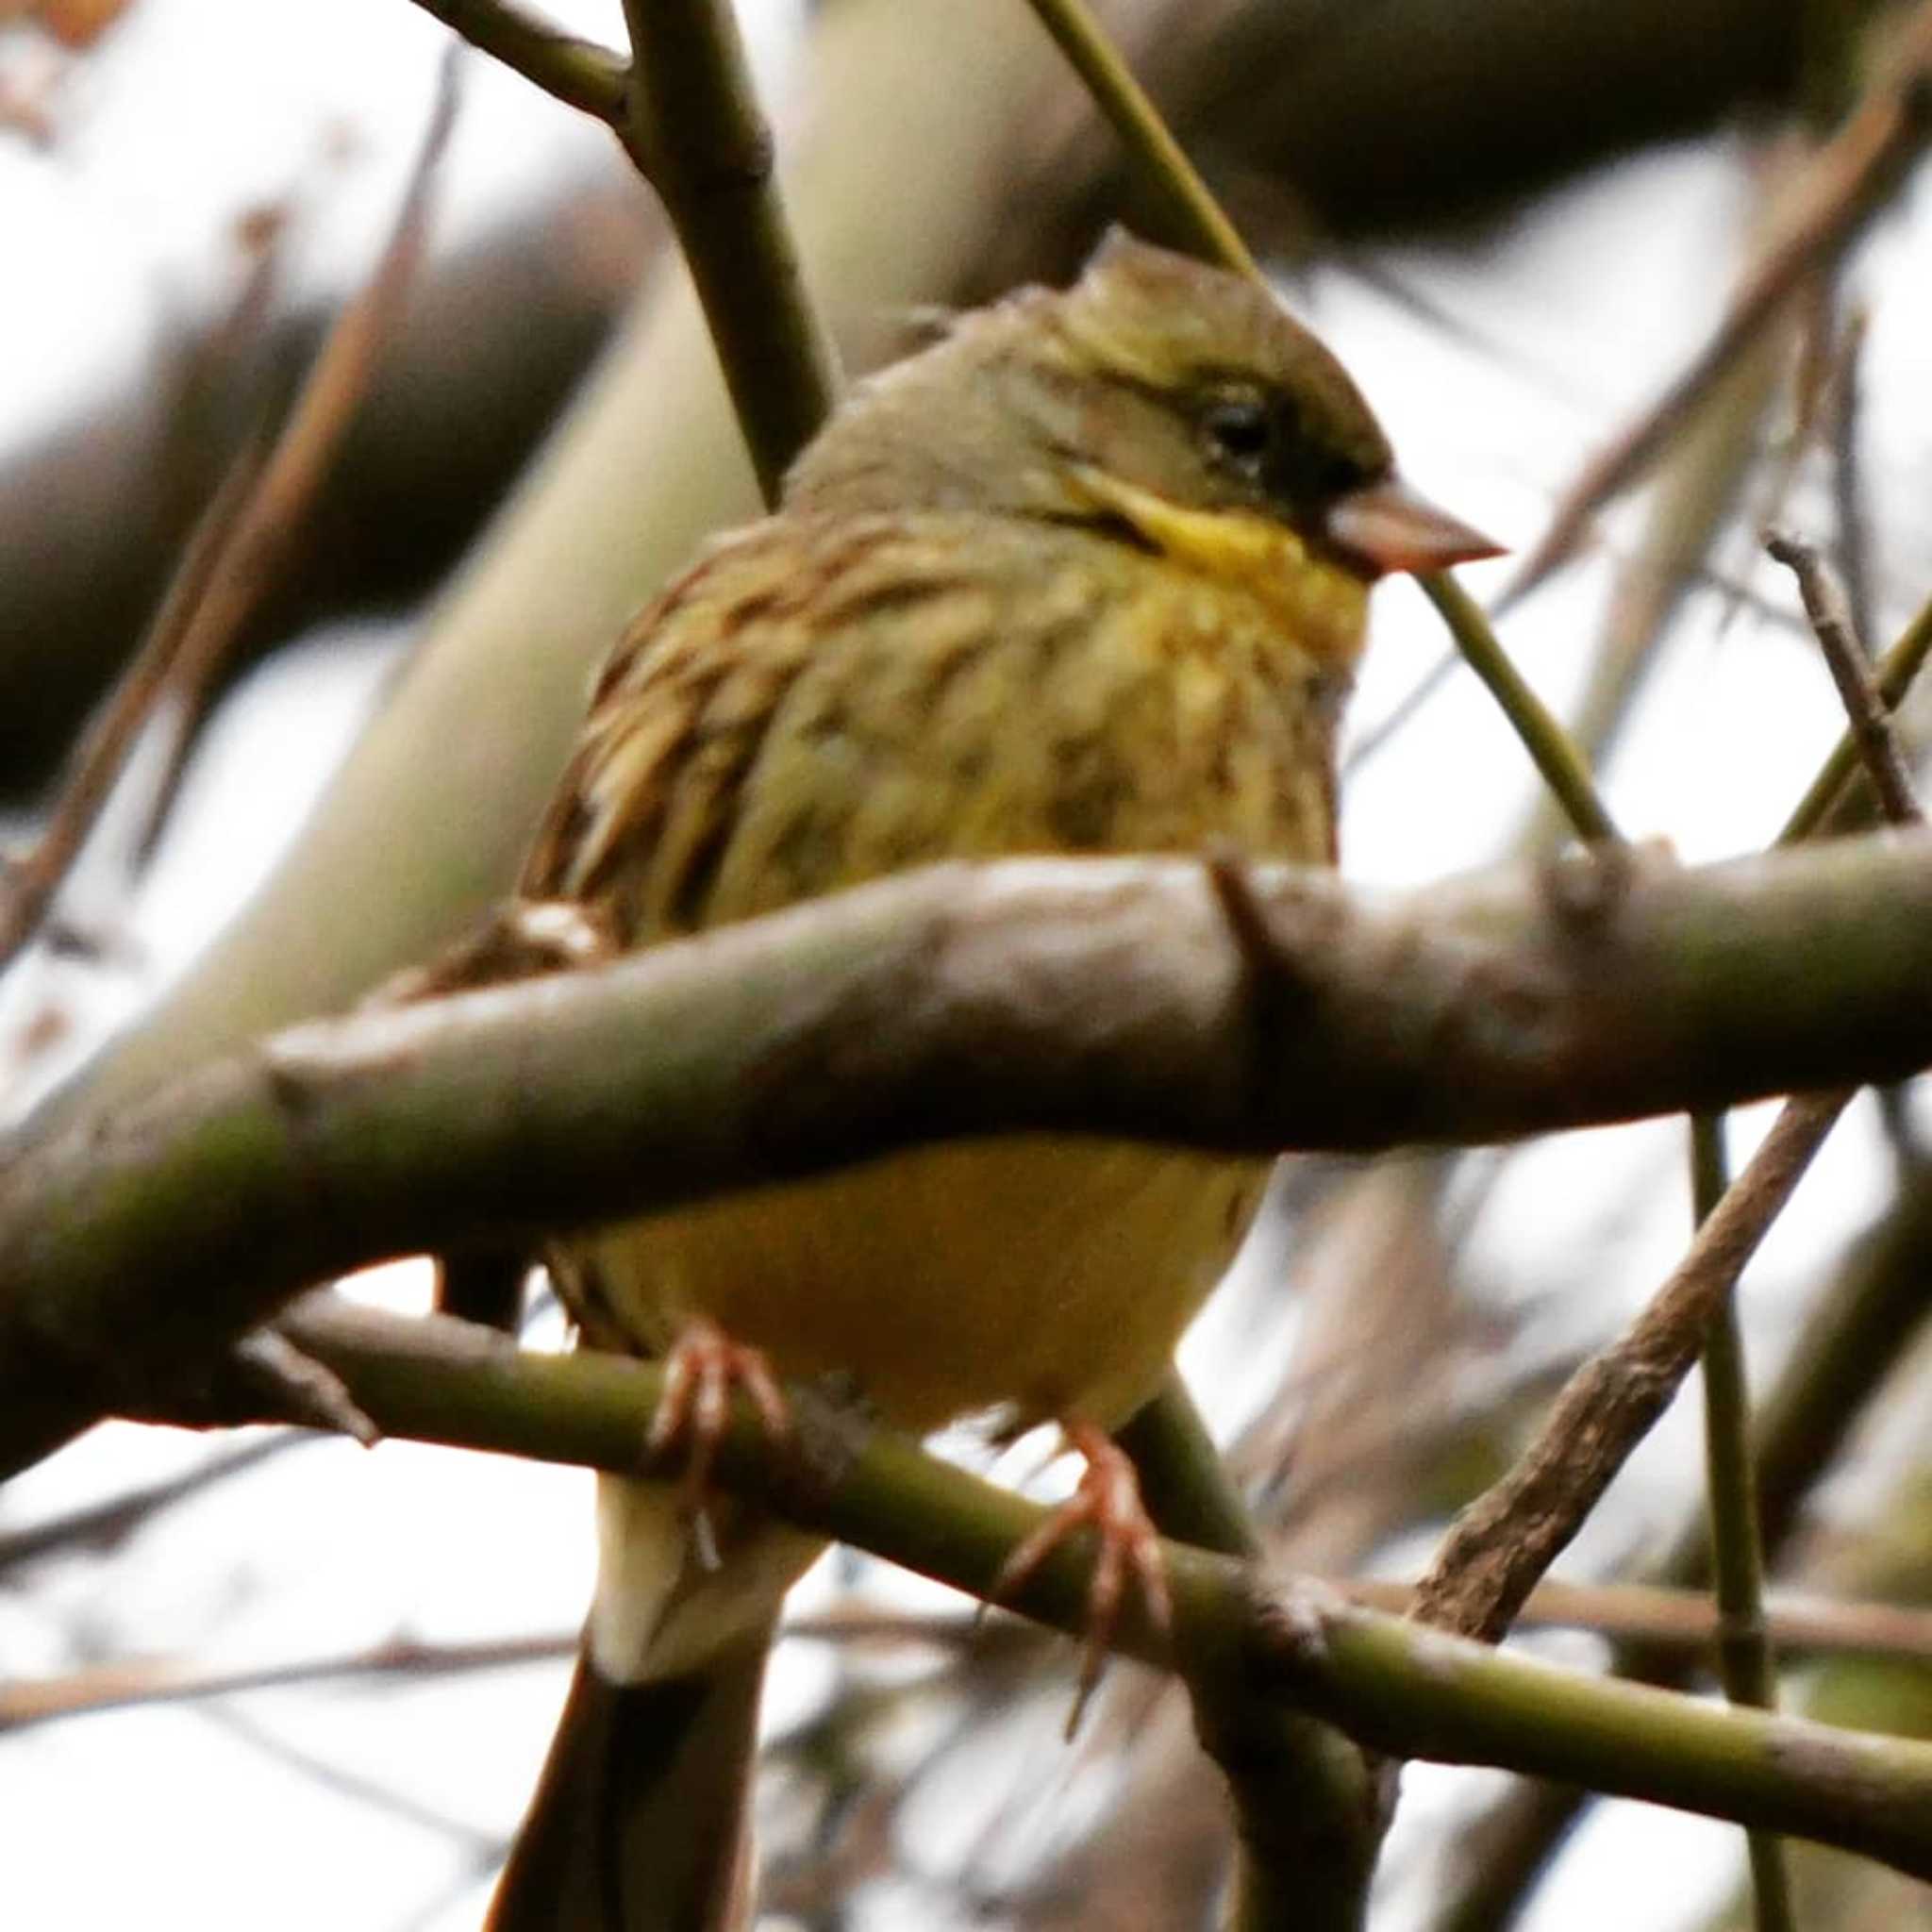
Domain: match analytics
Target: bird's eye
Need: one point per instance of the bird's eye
(1241, 431)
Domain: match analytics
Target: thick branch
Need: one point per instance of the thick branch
(1070, 996)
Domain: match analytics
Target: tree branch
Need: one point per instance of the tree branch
(1070, 996)
(1386, 1682)
(1861, 1328)
(1505, 1541)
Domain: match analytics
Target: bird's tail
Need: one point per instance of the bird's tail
(639, 1823)
(641, 1819)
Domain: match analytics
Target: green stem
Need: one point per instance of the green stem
(1164, 166)
(1183, 1478)
(691, 124)
(576, 72)
(1563, 767)
(1743, 1646)
(687, 114)
(1306, 1815)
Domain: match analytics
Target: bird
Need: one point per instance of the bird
(1088, 573)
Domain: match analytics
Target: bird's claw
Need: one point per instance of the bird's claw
(1108, 1500)
(702, 1371)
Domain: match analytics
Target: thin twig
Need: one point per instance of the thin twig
(1564, 768)
(1849, 508)
(272, 521)
(1164, 166)
(1505, 1541)
(1852, 178)
(306, 1391)
(1829, 792)
(28, 884)
(1746, 1666)
(1850, 667)
(106, 1525)
(1685, 1619)
(137, 1681)
(1675, 1619)
(579, 73)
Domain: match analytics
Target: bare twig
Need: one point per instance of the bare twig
(1503, 1542)
(28, 884)
(1851, 670)
(162, 1680)
(1836, 784)
(1685, 1619)
(301, 1387)
(1162, 162)
(105, 1526)
(576, 72)
(1847, 470)
(1747, 1665)
(1848, 182)
(268, 528)
(1563, 767)
(1674, 1619)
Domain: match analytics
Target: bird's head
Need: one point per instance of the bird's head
(1176, 401)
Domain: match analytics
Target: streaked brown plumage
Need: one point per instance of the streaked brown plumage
(1090, 575)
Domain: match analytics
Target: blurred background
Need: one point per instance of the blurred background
(272, 1678)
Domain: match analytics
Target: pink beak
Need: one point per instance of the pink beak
(1387, 527)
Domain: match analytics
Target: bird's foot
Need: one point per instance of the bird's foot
(702, 1371)
(1108, 1500)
